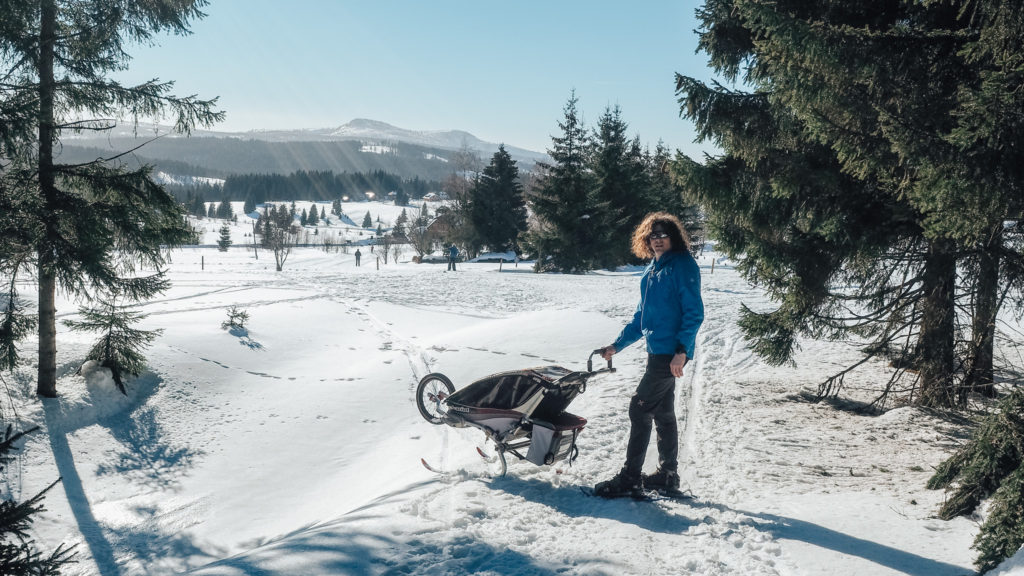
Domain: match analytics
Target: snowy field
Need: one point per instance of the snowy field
(339, 230)
(293, 448)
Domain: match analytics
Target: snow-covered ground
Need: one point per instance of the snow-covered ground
(346, 229)
(293, 447)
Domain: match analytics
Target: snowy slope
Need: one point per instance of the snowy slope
(293, 447)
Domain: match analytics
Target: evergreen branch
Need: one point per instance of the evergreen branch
(8, 442)
(71, 168)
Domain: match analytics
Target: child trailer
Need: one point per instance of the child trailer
(517, 410)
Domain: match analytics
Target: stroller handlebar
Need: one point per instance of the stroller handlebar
(590, 363)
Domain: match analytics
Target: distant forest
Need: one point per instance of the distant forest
(313, 186)
(224, 157)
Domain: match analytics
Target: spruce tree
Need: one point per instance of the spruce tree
(94, 221)
(18, 553)
(424, 217)
(990, 465)
(564, 237)
(497, 208)
(224, 210)
(664, 192)
(618, 187)
(120, 346)
(91, 221)
(224, 241)
(367, 220)
(400, 224)
(868, 96)
(16, 254)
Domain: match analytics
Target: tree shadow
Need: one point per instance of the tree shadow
(781, 527)
(92, 531)
(152, 548)
(243, 338)
(335, 548)
(569, 500)
(148, 457)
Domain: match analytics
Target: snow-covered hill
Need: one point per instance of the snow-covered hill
(360, 129)
(293, 447)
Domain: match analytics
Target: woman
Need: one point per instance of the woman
(668, 317)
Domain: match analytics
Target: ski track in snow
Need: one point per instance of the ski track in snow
(744, 440)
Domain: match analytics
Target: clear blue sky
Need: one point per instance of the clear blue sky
(502, 71)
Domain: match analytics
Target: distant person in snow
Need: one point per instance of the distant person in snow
(668, 317)
(453, 254)
(358, 256)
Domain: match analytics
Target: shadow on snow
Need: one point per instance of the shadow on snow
(148, 458)
(569, 500)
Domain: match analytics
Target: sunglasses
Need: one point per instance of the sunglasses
(657, 235)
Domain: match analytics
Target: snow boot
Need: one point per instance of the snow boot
(622, 484)
(664, 481)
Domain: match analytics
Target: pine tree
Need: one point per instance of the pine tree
(224, 210)
(15, 252)
(249, 206)
(303, 218)
(367, 220)
(618, 186)
(665, 192)
(314, 217)
(18, 555)
(120, 345)
(93, 220)
(990, 465)
(211, 211)
(424, 217)
(564, 238)
(224, 242)
(497, 208)
(400, 223)
(864, 99)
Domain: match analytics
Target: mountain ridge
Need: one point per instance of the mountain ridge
(361, 129)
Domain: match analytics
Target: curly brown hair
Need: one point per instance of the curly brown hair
(676, 232)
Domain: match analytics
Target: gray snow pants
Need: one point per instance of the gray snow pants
(653, 403)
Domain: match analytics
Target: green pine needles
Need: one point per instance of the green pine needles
(120, 346)
(18, 555)
(236, 319)
(224, 241)
(991, 465)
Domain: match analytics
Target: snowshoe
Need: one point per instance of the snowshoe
(620, 486)
(661, 481)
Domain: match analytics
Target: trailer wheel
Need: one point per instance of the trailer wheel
(431, 394)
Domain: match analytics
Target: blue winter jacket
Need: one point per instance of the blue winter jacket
(670, 309)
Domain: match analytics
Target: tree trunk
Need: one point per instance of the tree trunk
(983, 324)
(935, 344)
(47, 375)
